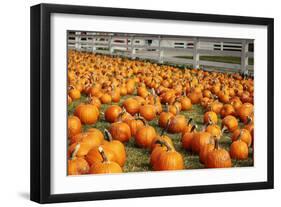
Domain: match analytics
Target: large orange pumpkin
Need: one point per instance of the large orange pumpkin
(87, 113)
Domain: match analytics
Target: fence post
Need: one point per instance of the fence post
(132, 48)
(94, 44)
(110, 48)
(161, 51)
(195, 53)
(244, 55)
(77, 41)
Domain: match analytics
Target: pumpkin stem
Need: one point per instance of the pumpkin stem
(240, 135)
(167, 107)
(108, 135)
(166, 127)
(216, 144)
(223, 129)
(177, 108)
(73, 154)
(209, 120)
(189, 121)
(166, 144)
(249, 120)
(153, 91)
(193, 128)
(104, 157)
(142, 119)
(70, 87)
(119, 117)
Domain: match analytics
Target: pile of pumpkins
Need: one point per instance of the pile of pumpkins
(157, 92)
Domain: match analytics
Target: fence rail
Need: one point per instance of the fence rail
(176, 50)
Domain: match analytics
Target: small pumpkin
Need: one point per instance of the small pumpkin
(187, 137)
(205, 151)
(120, 131)
(77, 165)
(131, 105)
(94, 154)
(145, 136)
(199, 140)
(148, 112)
(74, 93)
(74, 125)
(163, 138)
(87, 113)
(135, 124)
(218, 158)
(210, 117)
(185, 103)
(177, 123)
(230, 122)
(239, 150)
(214, 130)
(105, 98)
(169, 159)
(242, 134)
(164, 117)
(227, 109)
(112, 113)
(117, 147)
(104, 166)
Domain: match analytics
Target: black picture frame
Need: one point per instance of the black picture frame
(41, 96)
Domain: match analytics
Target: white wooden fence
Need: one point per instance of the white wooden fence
(171, 49)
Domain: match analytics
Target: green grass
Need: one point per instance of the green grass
(138, 159)
(222, 59)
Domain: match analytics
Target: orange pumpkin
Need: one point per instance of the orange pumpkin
(131, 105)
(145, 136)
(95, 156)
(148, 112)
(239, 150)
(199, 140)
(206, 149)
(117, 147)
(73, 125)
(218, 158)
(87, 113)
(185, 103)
(210, 117)
(74, 93)
(242, 134)
(170, 160)
(245, 111)
(105, 99)
(104, 166)
(230, 122)
(112, 113)
(164, 117)
(187, 138)
(177, 123)
(120, 131)
(77, 166)
(135, 124)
